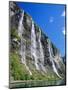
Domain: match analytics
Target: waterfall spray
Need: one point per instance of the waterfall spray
(51, 59)
(41, 52)
(23, 43)
(33, 45)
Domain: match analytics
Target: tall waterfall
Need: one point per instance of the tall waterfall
(33, 45)
(51, 59)
(41, 52)
(41, 49)
(20, 31)
(20, 27)
(23, 43)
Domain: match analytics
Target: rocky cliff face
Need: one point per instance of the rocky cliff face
(36, 52)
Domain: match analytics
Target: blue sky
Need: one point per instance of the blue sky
(51, 19)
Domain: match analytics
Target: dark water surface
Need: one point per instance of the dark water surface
(38, 83)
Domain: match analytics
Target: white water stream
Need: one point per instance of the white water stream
(41, 52)
(33, 45)
(51, 59)
(23, 43)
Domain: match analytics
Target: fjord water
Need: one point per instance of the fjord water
(37, 83)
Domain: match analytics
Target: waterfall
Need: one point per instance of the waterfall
(41, 48)
(20, 27)
(51, 59)
(23, 54)
(41, 52)
(20, 31)
(33, 45)
(23, 43)
(23, 51)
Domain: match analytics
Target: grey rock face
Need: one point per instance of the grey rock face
(34, 46)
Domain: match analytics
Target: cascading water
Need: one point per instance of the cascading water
(20, 31)
(41, 52)
(22, 51)
(33, 48)
(51, 59)
(23, 43)
(33, 45)
(20, 27)
(41, 48)
(23, 54)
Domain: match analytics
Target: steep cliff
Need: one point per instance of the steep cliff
(32, 54)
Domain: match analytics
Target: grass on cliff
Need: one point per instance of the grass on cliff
(19, 72)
